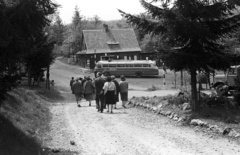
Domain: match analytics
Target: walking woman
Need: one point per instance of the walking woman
(88, 90)
(109, 92)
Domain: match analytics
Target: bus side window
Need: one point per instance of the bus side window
(112, 65)
(105, 65)
(99, 66)
(120, 65)
(129, 65)
(137, 65)
(146, 65)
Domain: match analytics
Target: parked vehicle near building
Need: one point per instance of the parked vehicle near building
(229, 82)
(136, 68)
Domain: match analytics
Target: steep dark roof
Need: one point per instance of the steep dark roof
(112, 41)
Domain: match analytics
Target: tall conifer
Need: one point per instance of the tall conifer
(194, 29)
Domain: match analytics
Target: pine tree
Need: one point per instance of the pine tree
(58, 29)
(76, 31)
(21, 21)
(194, 29)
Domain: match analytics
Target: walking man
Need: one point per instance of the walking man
(100, 99)
(77, 90)
(123, 90)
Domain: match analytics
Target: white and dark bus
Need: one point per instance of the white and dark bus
(136, 68)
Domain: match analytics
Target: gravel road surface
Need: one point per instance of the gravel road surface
(130, 131)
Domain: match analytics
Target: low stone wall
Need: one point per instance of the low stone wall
(156, 106)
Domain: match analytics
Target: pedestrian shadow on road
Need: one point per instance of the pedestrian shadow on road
(115, 112)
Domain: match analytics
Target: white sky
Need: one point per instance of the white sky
(105, 9)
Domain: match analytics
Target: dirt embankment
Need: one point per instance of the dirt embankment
(24, 118)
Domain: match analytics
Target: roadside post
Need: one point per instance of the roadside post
(164, 76)
(175, 79)
(164, 81)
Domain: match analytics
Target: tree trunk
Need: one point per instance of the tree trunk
(194, 89)
(47, 79)
(175, 79)
(29, 76)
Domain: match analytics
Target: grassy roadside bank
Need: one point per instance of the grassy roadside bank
(24, 119)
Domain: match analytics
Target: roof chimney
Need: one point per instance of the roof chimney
(105, 26)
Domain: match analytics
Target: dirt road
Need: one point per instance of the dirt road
(128, 131)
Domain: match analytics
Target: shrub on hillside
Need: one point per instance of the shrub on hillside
(171, 100)
(181, 98)
(153, 88)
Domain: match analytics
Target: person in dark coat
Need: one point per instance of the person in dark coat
(123, 90)
(88, 90)
(117, 91)
(100, 98)
(104, 75)
(71, 83)
(77, 90)
(84, 80)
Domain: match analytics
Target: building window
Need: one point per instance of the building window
(135, 57)
(130, 57)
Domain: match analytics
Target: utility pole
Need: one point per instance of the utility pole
(164, 75)
(181, 78)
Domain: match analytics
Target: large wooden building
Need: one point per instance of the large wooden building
(107, 43)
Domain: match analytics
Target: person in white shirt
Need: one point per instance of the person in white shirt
(109, 92)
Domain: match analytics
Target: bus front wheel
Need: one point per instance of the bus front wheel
(138, 74)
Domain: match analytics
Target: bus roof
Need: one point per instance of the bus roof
(126, 62)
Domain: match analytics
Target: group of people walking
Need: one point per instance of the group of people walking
(103, 89)
(82, 88)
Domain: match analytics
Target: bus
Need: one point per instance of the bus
(136, 68)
